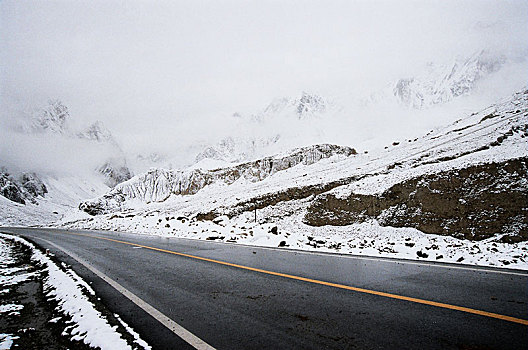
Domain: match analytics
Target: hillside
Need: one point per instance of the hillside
(440, 193)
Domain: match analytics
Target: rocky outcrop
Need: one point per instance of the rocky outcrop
(97, 132)
(159, 184)
(475, 203)
(53, 118)
(115, 172)
(26, 187)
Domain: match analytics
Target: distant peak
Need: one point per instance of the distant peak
(442, 83)
(52, 118)
(305, 105)
(97, 132)
(309, 104)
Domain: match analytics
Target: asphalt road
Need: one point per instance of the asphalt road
(300, 300)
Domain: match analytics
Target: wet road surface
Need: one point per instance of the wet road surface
(240, 297)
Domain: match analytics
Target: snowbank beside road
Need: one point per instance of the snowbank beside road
(87, 324)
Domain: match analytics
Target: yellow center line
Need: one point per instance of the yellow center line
(330, 284)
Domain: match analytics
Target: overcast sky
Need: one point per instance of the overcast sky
(152, 65)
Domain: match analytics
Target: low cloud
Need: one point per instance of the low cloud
(54, 155)
(167, 75)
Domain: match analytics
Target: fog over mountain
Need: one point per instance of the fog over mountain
(166, 79)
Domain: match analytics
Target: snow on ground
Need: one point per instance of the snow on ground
(11, 309)
(273, 229)
(63, 285)
(469, 141)
(6, 341)
(64, 194)
(211, 164)
(10, 276)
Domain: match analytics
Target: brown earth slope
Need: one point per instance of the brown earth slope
(473, 203)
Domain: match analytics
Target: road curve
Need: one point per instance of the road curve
(239, 297)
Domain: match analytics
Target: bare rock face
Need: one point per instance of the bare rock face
(26, 187)
(159, 184)
(33, 184)
(473, 203)
(10, 189)
(115, 172)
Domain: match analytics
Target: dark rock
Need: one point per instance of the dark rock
(221, 220)
(12, 192)
(26, 187)
(274, 230)
(210, 216)
(212, 238)
(422, 254)
(33, 185)
(282, 244)
(511, 239)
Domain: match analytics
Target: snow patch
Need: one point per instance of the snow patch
(67, 288)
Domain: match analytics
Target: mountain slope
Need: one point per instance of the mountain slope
(466, 180)
(443, 82)
(63, 166)
(158, 185)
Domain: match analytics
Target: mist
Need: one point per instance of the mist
(165, 75)
(52, 155)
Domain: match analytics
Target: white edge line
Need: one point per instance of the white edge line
(181, 332)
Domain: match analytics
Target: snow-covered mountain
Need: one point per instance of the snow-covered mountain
(54, 120)
(305, 106)
(466, 180)
(157, 185)
(443, 82)
(275, 123)
(38, 193)
(311, 118)
(99, 133)
(238, 149)
(451, 87)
